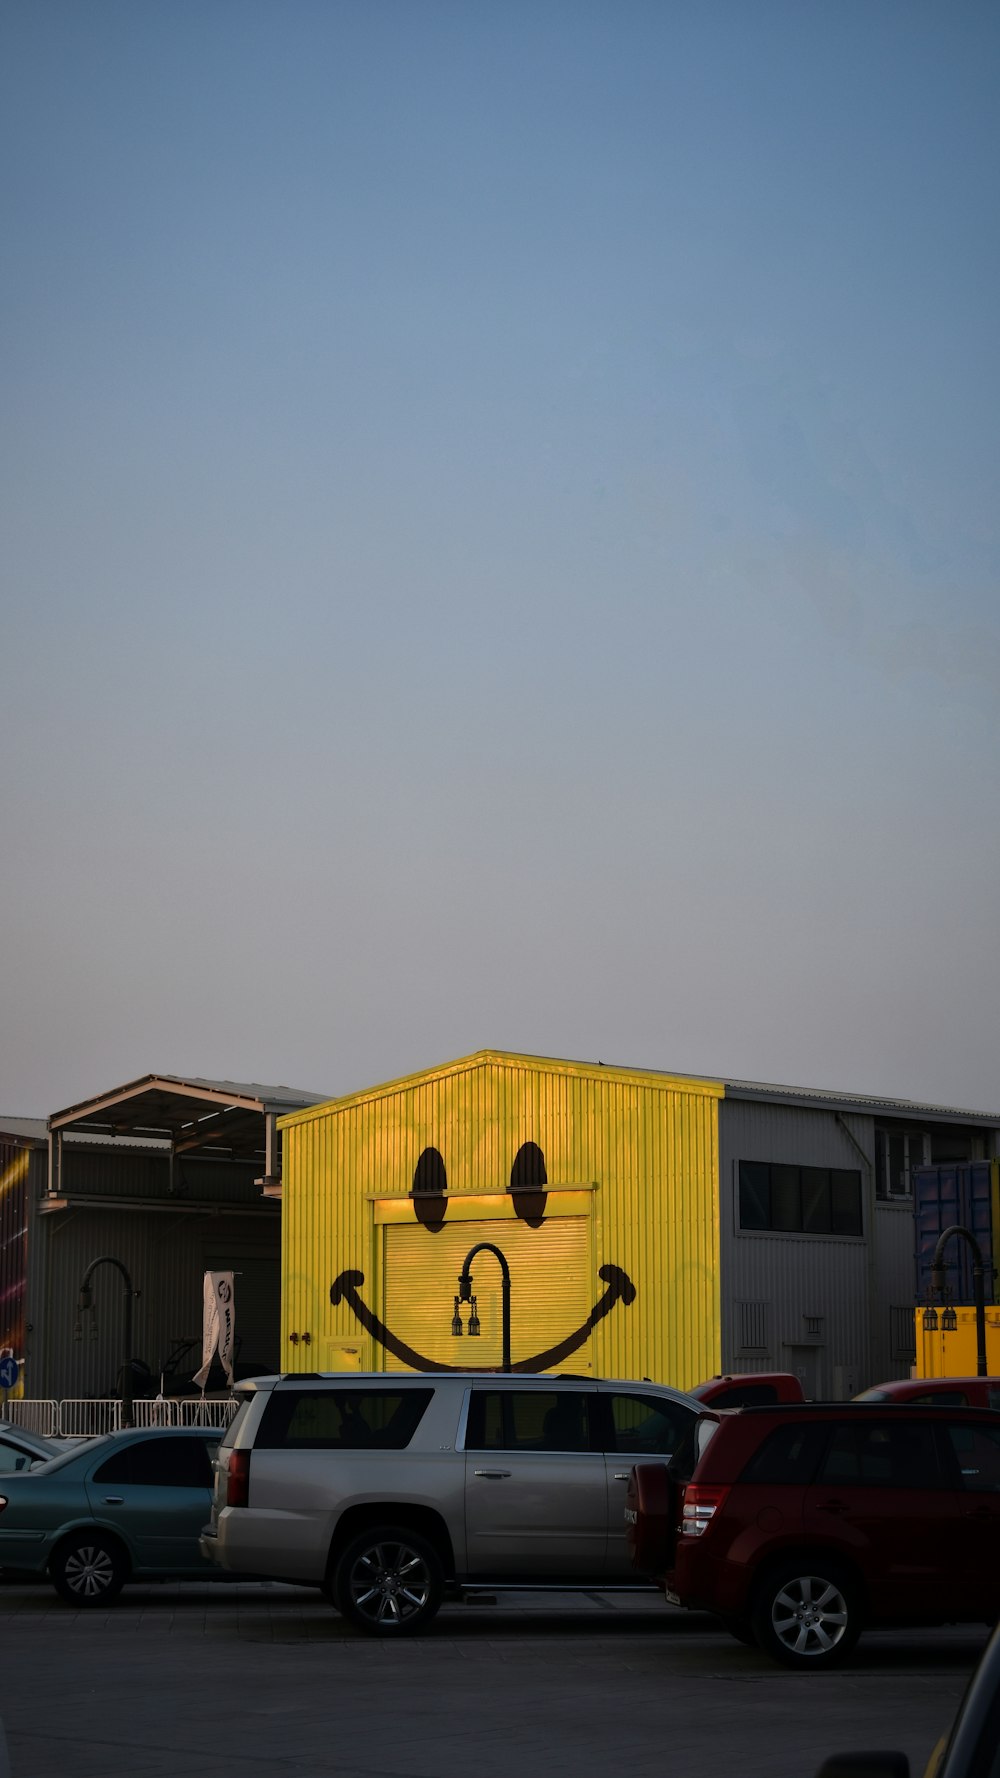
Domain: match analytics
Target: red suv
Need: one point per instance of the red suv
(800, 1526)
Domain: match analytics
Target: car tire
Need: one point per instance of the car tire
(88, 1570)
(807, 1613)
(388, 1581)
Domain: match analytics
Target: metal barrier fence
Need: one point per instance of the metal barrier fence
(35, 1416)
(199, 1412)
(88, 1418)
(81, 1418)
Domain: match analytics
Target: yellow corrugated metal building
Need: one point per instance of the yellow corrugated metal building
(599, 1185)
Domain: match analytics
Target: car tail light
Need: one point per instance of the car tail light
(238, 1479)
(700, 1507)
(3, 1502)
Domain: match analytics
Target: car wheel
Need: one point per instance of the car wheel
(807, 1614)
(88, 1569)
(388, 1581)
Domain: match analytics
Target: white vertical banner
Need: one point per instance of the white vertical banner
(218, 1326)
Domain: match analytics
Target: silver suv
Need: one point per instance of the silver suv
(390, 1490)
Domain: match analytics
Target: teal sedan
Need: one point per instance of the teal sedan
(126, 1507)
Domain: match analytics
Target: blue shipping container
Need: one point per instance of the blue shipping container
(960, 1193)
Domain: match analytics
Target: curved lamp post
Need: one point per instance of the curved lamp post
(978, 1291)
(85, 1304)
(465, 1296)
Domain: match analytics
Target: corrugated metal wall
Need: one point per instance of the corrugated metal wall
(15, 1166)
(166, 1255)
(896, 1272)
(648, 1145)
(822, 1301)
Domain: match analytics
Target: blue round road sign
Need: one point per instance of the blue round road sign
(9, 1371)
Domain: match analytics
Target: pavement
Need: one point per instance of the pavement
(204, 1681)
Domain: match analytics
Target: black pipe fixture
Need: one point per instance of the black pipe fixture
(465, 1296)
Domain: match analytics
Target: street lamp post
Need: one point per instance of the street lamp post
(465, 1296)
(85, 1304)
(978, 1285)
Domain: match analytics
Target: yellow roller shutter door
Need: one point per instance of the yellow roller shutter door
(552, 1289)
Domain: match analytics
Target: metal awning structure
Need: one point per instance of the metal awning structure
(221, 1119)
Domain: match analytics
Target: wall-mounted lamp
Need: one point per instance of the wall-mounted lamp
(949, 1320)
(930, 1321)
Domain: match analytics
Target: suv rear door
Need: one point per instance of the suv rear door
(973, 1446)
(535, 1488)
(881, 1496)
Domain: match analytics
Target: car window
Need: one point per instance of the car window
(897, 1453)
(790, 1454)
(993, 1395)
(342, 1419)
(530, 1420)
(160, 1463)
(940, 1398)
(12, 1459)
(977, 1448)
(646, 1424)
(745, 1395)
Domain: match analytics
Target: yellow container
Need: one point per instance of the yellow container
(953, 1354)
(598, 1185)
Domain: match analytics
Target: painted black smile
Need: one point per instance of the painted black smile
(620, 1289)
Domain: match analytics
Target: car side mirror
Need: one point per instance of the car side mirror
(865, 1765)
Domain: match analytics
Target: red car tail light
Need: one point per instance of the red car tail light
(700, 1507)
(238, 1479)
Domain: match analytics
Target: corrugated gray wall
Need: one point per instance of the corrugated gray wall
(166, 1253)
(818, 1305)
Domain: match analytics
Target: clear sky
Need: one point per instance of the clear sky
(499, 503)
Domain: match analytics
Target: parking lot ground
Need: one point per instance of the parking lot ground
(201, 1680)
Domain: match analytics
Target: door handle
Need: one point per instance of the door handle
(978, 1512)
(831, 1506)
(492, 1475)
(622, 1475)
(114, 1499)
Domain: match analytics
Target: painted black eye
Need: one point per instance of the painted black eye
(528, 1180)
(430, 1190)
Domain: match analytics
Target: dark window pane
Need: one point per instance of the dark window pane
(977, 1449)
(755, 1195)
(942, 1398)
(746, 1395)
(816, 1200)
(342, 1419)
(845, 1194)
(160, 1463)
(786, 1199)
(116, 1469)
(993, 1396)
(897, 1159)
(642, 1424)
(485, 1428)
(885, 1453)
(531, 1420)
(789, 1454)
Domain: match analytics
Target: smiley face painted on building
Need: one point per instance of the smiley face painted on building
(529, 1197)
